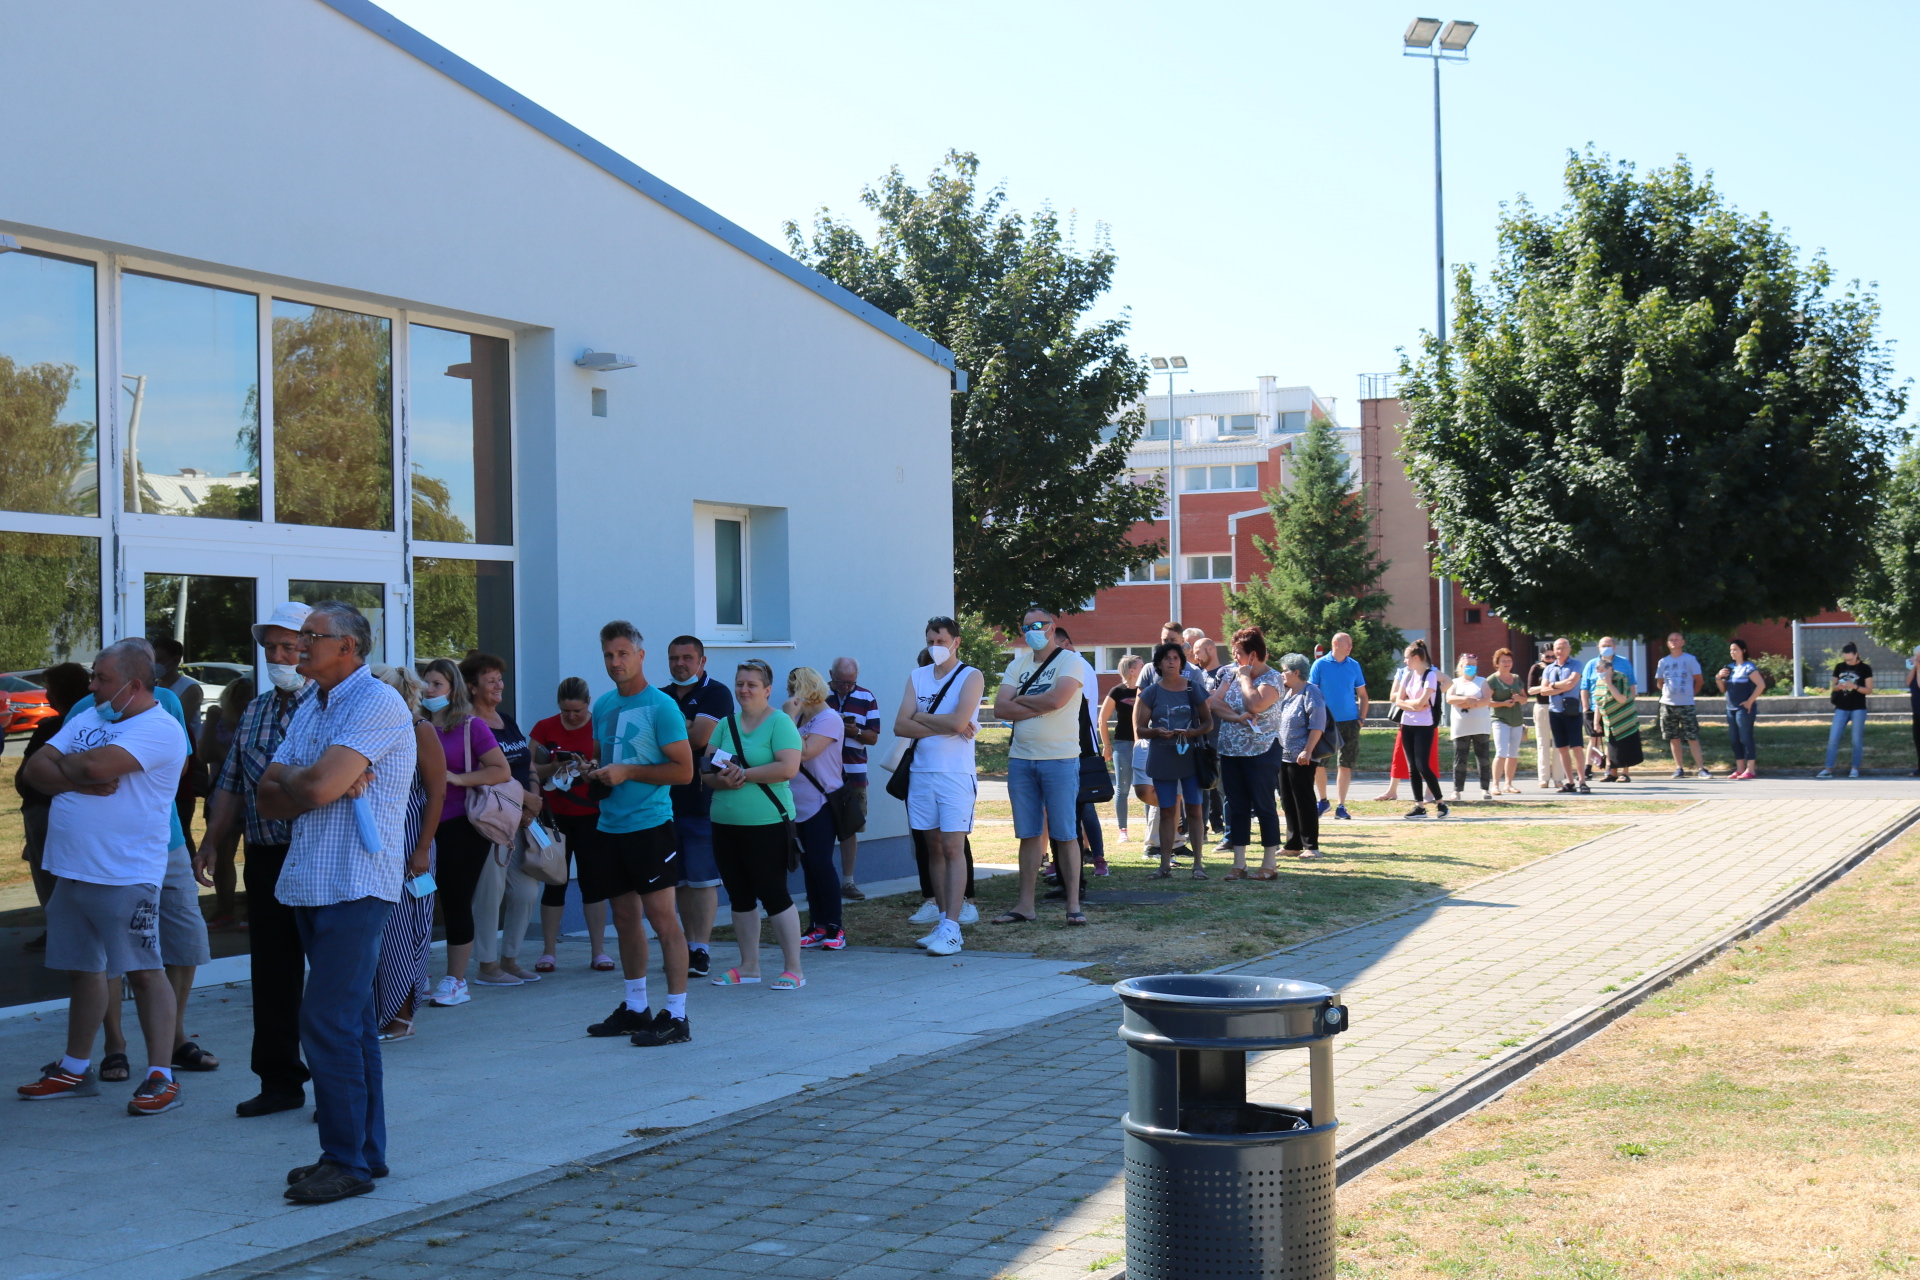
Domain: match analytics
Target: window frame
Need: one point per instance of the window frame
(1213, 559)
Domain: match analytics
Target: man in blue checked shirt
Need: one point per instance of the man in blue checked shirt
(352, 737)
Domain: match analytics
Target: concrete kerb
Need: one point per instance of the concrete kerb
(299, 1255)
(1490, 1083)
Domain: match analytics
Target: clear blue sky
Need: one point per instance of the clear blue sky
(1264, 169)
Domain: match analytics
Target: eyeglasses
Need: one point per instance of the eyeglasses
(319, 635)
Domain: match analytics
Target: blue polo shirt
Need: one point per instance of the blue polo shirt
(1339, 681)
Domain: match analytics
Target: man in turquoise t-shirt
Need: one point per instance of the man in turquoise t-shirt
(633, 863)
(183, 928)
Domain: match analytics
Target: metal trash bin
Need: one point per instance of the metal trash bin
(1217, 1185)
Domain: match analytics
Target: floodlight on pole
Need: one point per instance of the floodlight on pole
(1419, 43)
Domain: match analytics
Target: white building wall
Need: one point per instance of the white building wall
(283, 141)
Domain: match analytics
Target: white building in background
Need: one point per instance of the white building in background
(351, 283)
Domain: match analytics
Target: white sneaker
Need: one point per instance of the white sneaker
(969, 914)
(1824, 773)
(944, 941)
(928, 913)
(450, 992)
(1853, 773)
(1706, 774)
(930, 939)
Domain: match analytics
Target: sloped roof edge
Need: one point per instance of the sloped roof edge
(464, 73)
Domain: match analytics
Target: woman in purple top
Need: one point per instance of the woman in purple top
(474, 759)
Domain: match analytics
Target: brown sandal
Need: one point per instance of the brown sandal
(1265, 873)
(1235, 873)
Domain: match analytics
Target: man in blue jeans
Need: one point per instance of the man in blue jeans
(1040, 696)
(1852, 682)
(351, 739)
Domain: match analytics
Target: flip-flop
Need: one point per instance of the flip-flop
(1076, 917)
(115, 1068)
(734, 978)
(1198, 874)
(545, 964)
(1011, 917)
(603, 963)
(191, 1057)
(788, 981)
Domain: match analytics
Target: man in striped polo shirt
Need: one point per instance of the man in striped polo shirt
(861, 712)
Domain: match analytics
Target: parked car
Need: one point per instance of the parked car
(214, 677)
(25, 704)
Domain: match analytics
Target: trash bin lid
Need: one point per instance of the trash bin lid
(1220, 1010)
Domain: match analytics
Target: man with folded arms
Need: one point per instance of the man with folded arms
(351, 738)
(112, 770)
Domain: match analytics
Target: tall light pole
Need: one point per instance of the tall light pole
(1171, 365)
(1419, 42)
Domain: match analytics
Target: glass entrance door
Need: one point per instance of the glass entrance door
(209, 597)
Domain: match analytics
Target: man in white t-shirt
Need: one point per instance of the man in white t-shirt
(1040, 696)
(1679, 677)
(939, 713)
(111, 770)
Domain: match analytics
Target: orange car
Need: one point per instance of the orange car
(23, 703)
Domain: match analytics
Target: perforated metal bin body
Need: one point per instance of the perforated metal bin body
(1218, 1186)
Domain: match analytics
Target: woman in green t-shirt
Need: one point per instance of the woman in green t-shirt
(1509, 694)
(757, 752)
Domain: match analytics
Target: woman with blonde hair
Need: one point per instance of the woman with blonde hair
(822, 734)
(1116, 733)
(462, 852)
(406, 946)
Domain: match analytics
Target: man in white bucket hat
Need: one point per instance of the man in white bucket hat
(273, 939)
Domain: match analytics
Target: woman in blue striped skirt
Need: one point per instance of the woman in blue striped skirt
(401, 980)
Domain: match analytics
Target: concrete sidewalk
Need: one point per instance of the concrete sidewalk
(1002, 1159)
(506, 1086)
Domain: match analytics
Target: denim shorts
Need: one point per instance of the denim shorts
(698, 870)
(1045, 795)
(1172, 790)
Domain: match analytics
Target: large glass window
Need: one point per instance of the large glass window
(48, 437)
(190, 396)
(463, 605)
(458, 442)
(49, 600)
(212, 618)
(332, 417)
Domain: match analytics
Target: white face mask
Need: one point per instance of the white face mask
(286, 676)
(939, 653)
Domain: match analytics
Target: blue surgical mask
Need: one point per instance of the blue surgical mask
(1471, 669)
(435, 704)
(1606, 651)
(1036, 638)
(107, 711)
(684, 683)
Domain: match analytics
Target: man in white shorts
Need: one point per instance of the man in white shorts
(939, 712)
(112, 771)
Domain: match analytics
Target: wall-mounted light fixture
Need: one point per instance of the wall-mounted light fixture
(604, 361)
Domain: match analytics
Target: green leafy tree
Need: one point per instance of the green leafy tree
(1651, 416)
(46, 464)
(1887, 598)
(51, 586)
(1043, 510)
(1325, 576)
(333, 420)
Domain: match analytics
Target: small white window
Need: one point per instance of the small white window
(1243, 424)
(1246, 476)
(1209, 568)
(1157, 429)
(1159, 571)
(1293, 421)
(1193, 479)
(723, 570)
(1110, 655)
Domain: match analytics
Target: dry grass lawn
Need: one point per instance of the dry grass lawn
(1368, 869)
(1761, 1118)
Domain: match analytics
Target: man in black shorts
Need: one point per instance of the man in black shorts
(640, 739)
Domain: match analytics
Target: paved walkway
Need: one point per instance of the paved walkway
(1002, 1158)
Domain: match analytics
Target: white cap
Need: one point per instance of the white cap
(292, 615)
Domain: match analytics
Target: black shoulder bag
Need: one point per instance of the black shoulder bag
(792, 842)
(897, 784)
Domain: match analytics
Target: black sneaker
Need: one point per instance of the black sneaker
(328, 1183)
(1585, 790)
(1440, 808)
(621, 1022)
(665, 1029)
(699, 963)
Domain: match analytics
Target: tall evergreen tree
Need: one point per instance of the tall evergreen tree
(1042, 506)
(1325, 575)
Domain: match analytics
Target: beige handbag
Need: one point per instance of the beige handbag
(493, 808)
(548, 865)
